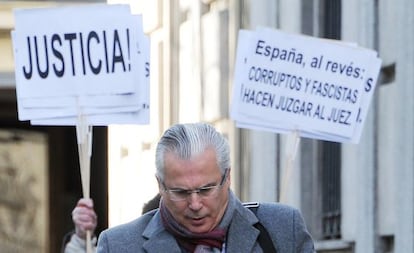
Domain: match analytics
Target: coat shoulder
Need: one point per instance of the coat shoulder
(287, 227)
(124, 237)
(136, 226)
(278, 216)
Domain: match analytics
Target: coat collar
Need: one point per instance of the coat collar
(158, 239)
(241, 234)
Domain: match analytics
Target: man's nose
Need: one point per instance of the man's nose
(194, 200)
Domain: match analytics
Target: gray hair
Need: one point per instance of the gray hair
(188, 140)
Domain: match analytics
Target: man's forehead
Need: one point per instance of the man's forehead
(203, 163)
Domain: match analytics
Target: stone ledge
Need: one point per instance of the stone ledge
(333, 245)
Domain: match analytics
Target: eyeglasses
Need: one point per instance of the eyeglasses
(203, 192)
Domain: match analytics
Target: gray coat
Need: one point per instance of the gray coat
(147, 234)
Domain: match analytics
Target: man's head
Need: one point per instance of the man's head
(193, 168)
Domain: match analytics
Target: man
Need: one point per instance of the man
(198, 211)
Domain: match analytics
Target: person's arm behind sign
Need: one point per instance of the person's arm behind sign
(84, 218)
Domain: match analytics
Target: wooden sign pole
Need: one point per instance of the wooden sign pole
(84, 137)
(292, 147)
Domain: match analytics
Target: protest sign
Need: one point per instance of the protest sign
(89, 55)
(93, 70)
(285, 82)
(97, 64)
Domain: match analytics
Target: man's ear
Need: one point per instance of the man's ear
(159, 183)
(229, 175)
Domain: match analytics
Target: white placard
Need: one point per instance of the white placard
(96, 66)
(91, 54)
(288, 82)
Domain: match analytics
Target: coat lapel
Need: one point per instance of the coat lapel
(158, 239)
(242, 235)
(160, 242)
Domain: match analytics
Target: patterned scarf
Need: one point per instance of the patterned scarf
(188, 240)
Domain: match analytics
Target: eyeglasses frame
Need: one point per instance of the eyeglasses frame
(197, 190)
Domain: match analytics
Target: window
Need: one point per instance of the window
(331, 189)
(321, 160)
(330, 152)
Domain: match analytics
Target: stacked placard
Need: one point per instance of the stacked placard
(83, 66)
(293, 83)
(89, 60)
